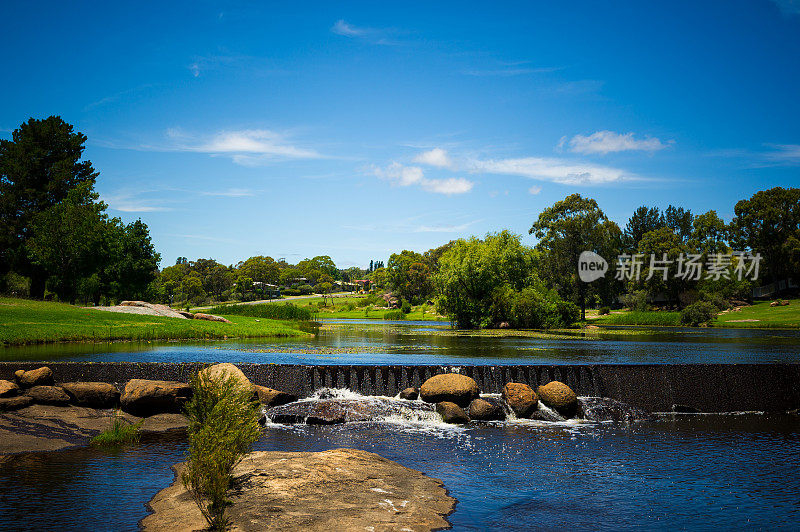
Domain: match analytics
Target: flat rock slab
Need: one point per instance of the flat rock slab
(51, 428)
(340, 489)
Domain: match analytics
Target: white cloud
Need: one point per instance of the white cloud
(134, 202)
(534, 190)
(553, 170)
(348, 30)
(604, 142)
(371, 35)
(435, 157)
(404, 176)
(231, 193)
(784, 153)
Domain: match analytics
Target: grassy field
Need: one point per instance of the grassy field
(347, 308)
(767, 317)
(30, 322)
(653, 319)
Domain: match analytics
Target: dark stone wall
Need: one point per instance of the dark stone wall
(656, 388)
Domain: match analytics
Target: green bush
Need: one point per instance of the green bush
(636, 300)
(290, 292)
(120, 433)
(405, 308)
(604, 311)
(394, 315)
(697, 314)
(532, 308)
(271, 311)
(223, 425)
(305, 289)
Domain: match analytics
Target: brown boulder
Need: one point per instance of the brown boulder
(8, 389)
(410, 394)
(18, 374)
(210, 317)
(48, 395)
(451, 413)
(521, 398)
(14, 403)
(451, 387)
(486, 410)
(224, 370)
(559, 397)
(269, 397)
(145, 397)
(36, 377)
(92, 394)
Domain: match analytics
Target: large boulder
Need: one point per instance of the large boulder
(451, 387)
(559, 397)
(210, 317)
(143, 397)
(521, 398)
(36, 377)
(224, 370)
(14, 403)
(48, 395)
(489, 409)
(451, 413)
(410, 394)
(8, 389)
(269, 397)
(92, 394)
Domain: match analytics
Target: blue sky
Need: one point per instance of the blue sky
(360, 129)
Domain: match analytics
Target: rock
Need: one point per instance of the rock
(48, 395)
(334, 411)
(521, 398)
(340, 489)
(544, 413)
(8, 389)
(18, 374)
(36, 377)
(92, 394)
(559, 397)
(490, 409)
(451, 413)
(146, 397)
(451, 387)
(185, 314)
(269, 397)
(226, 369)
(410, 394)
(606, 409)
(210, 317)
(504, 325)
(154, 309)
(14, 403)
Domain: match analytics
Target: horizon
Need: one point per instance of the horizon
(356, 132)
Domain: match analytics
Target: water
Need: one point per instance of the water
(431, 343)
(698, 472)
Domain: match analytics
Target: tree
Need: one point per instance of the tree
(660, 244)
(642, 221)
(680, 221)
(565, 230)
(709, 233)
(39, 166)
(192, 288)
(769, 223)
(260, 269)
(132, 260)
(409, 276)
(244, 285)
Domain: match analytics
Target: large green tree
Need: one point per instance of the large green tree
(39, 166)
(408, 275)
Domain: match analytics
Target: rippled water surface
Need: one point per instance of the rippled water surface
(708, 472)
(422, 343)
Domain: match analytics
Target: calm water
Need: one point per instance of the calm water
(705, 472)
(370, 342)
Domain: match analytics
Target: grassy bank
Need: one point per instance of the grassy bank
(761, 315)
(347, 308)
(31, 322)
(652, 319)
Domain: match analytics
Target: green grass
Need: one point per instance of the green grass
(272, 311)
(33, 322)
(652, 318)
(787, 317)
(120, 433)
(338, 309)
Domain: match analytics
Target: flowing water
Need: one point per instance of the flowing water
(697, 472)
(429, 343)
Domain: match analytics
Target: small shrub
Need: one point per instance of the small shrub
(697, 314)
(120, 433)
(605, 311)
(270, 311)
(405, 308)
(305, 289)
(393, 315)
(223, 425)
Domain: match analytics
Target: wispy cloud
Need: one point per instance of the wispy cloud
(382, 36)
(534, 190)
(605, 142)
(246, 147)
(231, 193)
(788, 7)
(204, 64)
(553, 170)
(788, 154)
(510, 71)
(444, 228)
(135, 202)
(404, 176)
(436, 157)
(770, 155)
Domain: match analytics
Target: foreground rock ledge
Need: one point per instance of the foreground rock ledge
(341, 489)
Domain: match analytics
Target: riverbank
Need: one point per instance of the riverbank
(25, 322)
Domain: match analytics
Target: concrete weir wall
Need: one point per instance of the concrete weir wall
(653, 387)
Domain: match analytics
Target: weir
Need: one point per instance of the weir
(653, 387)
